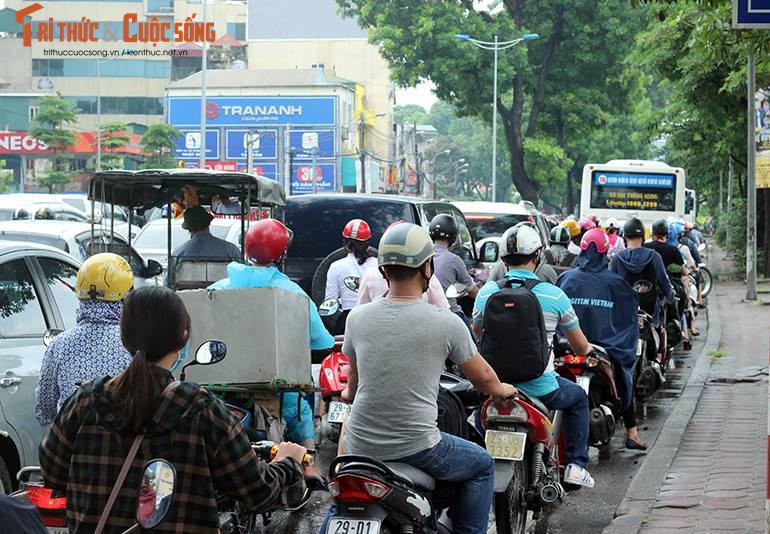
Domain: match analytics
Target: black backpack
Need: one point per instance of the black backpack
(645, 283)
(515, 341)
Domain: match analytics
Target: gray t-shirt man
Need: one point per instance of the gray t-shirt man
(450, 269)
(399, 348)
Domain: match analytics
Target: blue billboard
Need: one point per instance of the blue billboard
(629, 179)
(262, 168)
(265, 145)
(303, 142)
(751, 14)
(302, 178)
(188, 145)
(254, 111)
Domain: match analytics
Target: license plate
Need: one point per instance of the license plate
(506, 445)
(341, 525)
(54, 530)
(338, 411)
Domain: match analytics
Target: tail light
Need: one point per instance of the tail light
(512, 411)
(357, 488)
(531, 219)
(573, 359)
(52, 509)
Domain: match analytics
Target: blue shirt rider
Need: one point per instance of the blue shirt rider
(607, 309)
(265, 244)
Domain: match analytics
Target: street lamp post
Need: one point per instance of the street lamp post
(432, 181)
(495, 46)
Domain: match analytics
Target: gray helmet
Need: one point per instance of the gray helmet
(405, 244)
(559, 234)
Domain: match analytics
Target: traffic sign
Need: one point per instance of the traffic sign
(748, 14)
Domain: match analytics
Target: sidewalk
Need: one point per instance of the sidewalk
(717, 480)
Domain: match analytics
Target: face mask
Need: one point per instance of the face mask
(182, 358)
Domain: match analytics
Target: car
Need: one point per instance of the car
(151, 241)
(36, 294)
(317, 222)
(76, 239)
(25, 209)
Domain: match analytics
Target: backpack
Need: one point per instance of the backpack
(645, 284)
(515, 341)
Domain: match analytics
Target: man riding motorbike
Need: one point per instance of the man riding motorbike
(556, 253)
(573, 247)
(543, 271)
(93, 347)
(450, 268)
(355, 239)
(265, 244)
(397, 348)
(143, 411)
(521, 250)
(607, 309)
(631, 263)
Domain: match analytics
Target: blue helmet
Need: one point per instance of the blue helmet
(675, 231)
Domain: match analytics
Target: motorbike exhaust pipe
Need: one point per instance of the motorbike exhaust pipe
(551, 492)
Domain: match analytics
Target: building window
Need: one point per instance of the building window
(160, 6)
(33, 112)
(119, 105)
(86, 68)
(237, 30)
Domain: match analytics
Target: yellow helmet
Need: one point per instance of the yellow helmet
(104, 276)
(572, 226)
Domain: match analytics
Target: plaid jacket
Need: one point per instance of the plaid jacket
(83, 454)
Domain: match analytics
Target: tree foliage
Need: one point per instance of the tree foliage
(157, 142)
(550, 91)
(114, 135)
(49, 126)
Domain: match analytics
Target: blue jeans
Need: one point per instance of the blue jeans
(573, 402)
(456, 460)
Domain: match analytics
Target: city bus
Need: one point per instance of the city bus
(649, 190)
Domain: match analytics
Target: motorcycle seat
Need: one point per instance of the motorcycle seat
(534, 401)
(419, 478)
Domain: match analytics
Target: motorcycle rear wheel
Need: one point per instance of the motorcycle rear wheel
(511, 505)
(706, 281)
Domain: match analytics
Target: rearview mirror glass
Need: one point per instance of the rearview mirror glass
(153, 269)
(210, 352)
(155, 493)
(352, 283)
(328, 307)
(490, 252)
(50, 334)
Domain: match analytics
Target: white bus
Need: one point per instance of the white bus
(621, 188)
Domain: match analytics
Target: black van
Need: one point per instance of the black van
(317, 222)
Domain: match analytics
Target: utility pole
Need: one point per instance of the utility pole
(98, 115)
(751, 188)
(251, 137)
(730, 172)
(314, 154)
(202, 162)
(416, 163)
(362, 151)
(721, 189)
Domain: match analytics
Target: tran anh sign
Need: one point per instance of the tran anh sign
(253, 111)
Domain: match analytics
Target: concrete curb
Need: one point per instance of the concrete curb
(641, 494)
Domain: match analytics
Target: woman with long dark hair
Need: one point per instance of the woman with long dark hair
(355, 240)
(179, 421)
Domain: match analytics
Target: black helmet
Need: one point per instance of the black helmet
(633, 228)
(660, 228)
(443, 226)
(559, 234)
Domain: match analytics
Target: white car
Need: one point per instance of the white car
(151, 242)
(75, 239)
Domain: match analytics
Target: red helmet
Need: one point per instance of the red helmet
(266, 241)
(357, 229)
(586, 223)
(598, 238)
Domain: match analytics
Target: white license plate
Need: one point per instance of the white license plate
(338, 411)
(55, 530)
(341, 525)
(506, 445)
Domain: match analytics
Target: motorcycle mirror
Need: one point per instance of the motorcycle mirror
(210, 352)
(352, 283)
(329, 307)
(154, 268)
(155, 493)
(49, 334)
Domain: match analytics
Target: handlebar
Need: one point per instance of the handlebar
(267, 450)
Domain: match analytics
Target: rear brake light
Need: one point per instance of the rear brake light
(572, 359)
(531, 219)
(356, 488)
(52, 509)
(511, 411)
(479, 217)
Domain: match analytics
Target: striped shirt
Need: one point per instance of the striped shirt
(558, 313)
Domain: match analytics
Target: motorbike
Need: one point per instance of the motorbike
(595, 373)
(651, 357)
(333, 378)
(525, 439)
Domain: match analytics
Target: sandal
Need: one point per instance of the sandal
(635, 445)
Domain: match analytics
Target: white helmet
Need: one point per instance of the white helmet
(521, 239)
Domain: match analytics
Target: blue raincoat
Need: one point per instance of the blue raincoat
(242, 276)
(607, 309)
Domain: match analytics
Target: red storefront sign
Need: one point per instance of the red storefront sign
(85, 143)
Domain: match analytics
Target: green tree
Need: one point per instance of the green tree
(157, 142)
(49, 126)
(409, 114)
(114, 135)
(6, 178)
(582, 41)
